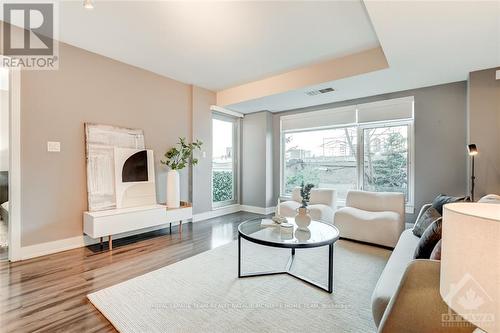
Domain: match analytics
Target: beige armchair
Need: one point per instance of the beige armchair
(322, 204)
(372, 217)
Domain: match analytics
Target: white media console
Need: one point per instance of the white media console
(111, 222)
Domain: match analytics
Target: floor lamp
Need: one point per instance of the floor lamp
(472, 150)
(470, 270)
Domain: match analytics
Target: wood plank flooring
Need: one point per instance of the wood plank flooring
(48, 294)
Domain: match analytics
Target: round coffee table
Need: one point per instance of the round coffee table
(318, 234)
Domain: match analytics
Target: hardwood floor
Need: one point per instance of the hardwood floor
(48, 294)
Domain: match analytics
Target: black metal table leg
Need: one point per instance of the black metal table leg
(252, 231)
(328, 288)
(330, 268)
(239, 256)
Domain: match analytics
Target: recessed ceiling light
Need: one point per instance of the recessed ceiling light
(88, 4)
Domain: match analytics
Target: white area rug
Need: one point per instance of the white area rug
(204, 294)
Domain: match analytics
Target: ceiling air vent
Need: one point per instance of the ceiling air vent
(319, 91)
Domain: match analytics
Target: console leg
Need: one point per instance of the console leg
(110, 242)
(101, 242)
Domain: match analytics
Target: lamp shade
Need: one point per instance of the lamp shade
(470, 264)
(472, 149)
(88, 4)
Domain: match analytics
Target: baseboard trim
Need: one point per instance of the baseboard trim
(42, 249)
(258, 210)
(232, 209)
(216, 213)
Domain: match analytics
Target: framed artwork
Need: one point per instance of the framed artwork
(101, 141)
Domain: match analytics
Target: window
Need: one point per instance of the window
(385, 159)
(224, 153)
(365, 147)
(325, 158)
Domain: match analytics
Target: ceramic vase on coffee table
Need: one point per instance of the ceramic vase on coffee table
(302, 219)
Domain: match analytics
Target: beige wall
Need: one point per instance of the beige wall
(484, 129)
(90, 88)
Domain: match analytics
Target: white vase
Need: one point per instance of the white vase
(173, 189)
(302, 219)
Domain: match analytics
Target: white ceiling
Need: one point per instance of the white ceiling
(425, 42)
(217, 45)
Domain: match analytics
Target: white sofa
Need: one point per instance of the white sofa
(393, 272)
(389, 280)
(406, 297)
(322, 204)
(372, 217)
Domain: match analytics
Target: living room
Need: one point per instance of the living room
(179, 166)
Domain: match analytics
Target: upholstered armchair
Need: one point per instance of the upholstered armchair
(322, 204)
(372, 217)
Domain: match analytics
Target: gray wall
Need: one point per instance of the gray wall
(484, 129)
(202, 130)
(440, 138)
(256, 160)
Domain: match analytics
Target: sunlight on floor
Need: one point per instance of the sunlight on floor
(222, 234)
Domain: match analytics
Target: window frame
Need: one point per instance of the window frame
(410, 202)
(235, 161)
(360, 127)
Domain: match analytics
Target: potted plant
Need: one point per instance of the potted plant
(302, 219)
(177, 158)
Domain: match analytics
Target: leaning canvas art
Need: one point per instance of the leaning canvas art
(101, 142)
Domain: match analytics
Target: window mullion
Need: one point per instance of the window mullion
(360, 157)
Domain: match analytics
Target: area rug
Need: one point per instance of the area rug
(204, 294)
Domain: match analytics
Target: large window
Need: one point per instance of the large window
(325, 158)
(365, 147)
(224, 153)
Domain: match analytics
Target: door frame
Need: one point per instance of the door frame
(14, 165)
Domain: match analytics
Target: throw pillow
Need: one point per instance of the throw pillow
(429, 215)
(429, 239)
(436, 253)
(442, 200)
